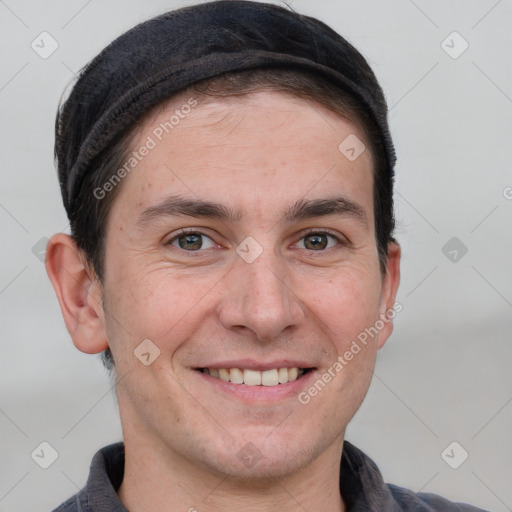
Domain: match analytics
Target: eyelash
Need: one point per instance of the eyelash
(184, 232)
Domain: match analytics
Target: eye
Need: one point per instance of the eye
(191, 241)
(318, 241)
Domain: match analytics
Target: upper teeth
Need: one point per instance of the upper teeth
(255, 377)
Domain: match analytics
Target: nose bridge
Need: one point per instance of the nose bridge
(260, 298)
(266, 282)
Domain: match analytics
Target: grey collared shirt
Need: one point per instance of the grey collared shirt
(361, 486)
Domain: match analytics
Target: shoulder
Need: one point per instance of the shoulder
(73, 504)
(363, 488)
(408, 500)
(105, 476)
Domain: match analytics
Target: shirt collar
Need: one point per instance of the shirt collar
(361, 483)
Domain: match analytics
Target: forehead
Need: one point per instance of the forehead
(252, 151)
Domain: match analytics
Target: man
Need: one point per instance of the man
(227, 171)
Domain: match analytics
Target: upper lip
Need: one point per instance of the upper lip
(251, 364)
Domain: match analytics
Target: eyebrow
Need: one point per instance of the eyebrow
(301, 210)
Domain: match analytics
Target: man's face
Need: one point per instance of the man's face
(277, 284)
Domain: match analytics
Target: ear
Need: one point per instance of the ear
(79, 293)
(389, 308)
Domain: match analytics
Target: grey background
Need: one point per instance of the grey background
(444, 375)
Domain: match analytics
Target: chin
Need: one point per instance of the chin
(261, 461)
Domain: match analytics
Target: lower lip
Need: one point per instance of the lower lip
(260, 393)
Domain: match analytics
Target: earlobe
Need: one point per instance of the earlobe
(78, 293)
(390, 285)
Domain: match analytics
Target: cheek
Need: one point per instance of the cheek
(348, 303)
(351, 307)
(153, 303)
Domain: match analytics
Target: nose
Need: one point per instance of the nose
(259, 299)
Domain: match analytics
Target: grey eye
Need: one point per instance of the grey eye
(191, 241)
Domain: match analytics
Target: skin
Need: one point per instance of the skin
(260, 154)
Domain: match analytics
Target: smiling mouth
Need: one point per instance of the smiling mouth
(248, 377)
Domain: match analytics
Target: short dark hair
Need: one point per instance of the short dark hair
(88, 214)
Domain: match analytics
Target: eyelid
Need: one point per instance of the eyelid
(342, 240)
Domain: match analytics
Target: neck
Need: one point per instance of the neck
(161, 480)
